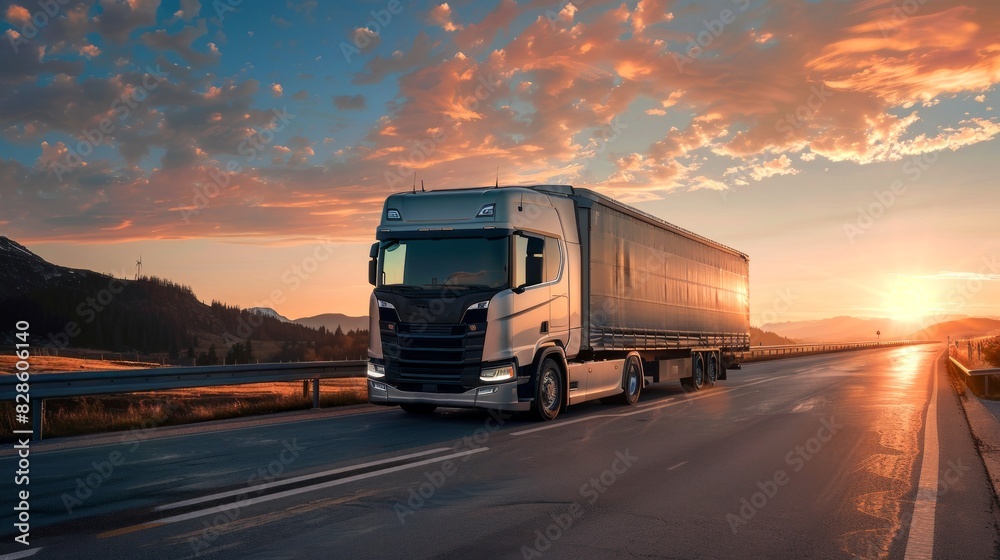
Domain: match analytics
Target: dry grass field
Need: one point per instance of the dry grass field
(164, 408)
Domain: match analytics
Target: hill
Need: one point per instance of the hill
(842, 329)
(961, 328)
(332, 320)
(72, 308)
(767, 338)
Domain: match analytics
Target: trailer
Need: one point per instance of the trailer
(537, 298)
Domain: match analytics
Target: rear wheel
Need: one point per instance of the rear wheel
(548, 390)
(415, 408)
(711, 370)
(697, 379)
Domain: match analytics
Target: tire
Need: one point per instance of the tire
(548, 391)
(697, 379)
(631, 382)
(416, 408)
(711, 371)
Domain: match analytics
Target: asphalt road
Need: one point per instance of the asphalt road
(830, 456)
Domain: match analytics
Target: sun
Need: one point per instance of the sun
(907, 300)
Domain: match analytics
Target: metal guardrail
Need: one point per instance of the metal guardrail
(759, 353)
(979, 374)
(87, 383)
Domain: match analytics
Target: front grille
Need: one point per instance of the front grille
(442, 357)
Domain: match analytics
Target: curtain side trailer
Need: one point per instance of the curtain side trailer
(537, 298)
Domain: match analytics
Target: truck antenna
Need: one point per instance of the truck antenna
(422, 186)
(414, 182)
(497, 186)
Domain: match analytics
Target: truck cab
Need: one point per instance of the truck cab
(471, 286)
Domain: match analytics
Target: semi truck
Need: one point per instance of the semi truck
(532, 299)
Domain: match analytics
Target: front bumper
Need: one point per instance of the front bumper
(504, 398)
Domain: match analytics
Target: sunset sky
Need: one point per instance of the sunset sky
(849, 147)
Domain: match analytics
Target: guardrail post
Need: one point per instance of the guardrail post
(316, 392)
(37, 417)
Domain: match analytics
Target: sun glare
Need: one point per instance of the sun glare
(907, 300)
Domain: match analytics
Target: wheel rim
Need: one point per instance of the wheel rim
(633, 380)
(550, 390)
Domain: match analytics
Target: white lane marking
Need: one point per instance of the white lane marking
(642, 409)
(236, 506)
(678, 465)
(920, 540)
(210, 431)
(22, 554)
(269, 485)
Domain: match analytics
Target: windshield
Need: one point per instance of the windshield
(460, 262)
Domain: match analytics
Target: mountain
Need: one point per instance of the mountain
(332, 320)
(852, 329)
(268, 312)
(23, 270)
(961, 328)
(843, 329)
(74, 308)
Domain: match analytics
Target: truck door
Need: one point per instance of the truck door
(532, 295)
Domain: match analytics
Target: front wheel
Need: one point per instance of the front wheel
(631, 382)
(548, 390)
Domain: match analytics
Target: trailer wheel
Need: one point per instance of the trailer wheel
(548, 390)
(712, 370)
(631, 382)
(417, 408)
(697, 379)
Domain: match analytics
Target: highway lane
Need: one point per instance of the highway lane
(816, 457)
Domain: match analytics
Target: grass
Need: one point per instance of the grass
(86, 415)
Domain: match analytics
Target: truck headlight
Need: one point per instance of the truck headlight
(376, 370)
(497, 373)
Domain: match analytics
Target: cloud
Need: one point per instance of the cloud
(441, 16)
(276, 90)
(972, 276)
(117, 20)
(17, 15)
(349, 102)
(181, 42)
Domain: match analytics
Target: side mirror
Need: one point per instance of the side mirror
(373, 264)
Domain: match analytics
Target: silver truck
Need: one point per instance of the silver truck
(536, 298)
